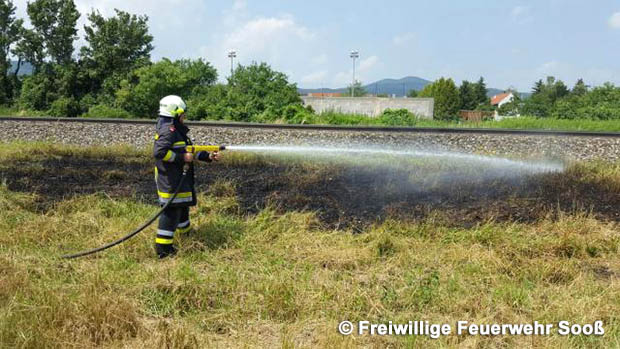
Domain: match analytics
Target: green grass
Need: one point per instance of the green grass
(331, 118)
(282, 280)
(526, 123)
(10, 111)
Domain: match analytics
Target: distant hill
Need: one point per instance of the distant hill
(25, 69)
(397, 87)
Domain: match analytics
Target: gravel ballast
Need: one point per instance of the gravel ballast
(141, 135)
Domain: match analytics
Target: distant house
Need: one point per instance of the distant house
(324, 94)
(501, 99)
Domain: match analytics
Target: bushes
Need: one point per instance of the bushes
(37, 92)
(104, 111)
(297, 114)
(65, 107)
(257, 91)
(602, 103)
(553, 100)
(397, 117)
(141, 92)
(447, 98)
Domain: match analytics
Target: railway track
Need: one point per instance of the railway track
(331, 127)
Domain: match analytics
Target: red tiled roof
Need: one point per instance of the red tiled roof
(498, 98)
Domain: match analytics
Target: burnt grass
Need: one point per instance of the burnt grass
(342, 196)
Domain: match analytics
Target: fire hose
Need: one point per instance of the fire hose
(190, 149)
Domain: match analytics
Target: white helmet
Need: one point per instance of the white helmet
(172, 106)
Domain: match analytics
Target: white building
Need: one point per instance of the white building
(501, 99)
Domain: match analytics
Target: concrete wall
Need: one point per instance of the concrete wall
(371, 106)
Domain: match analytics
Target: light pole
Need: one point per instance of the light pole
(231, 54)
(354, 55)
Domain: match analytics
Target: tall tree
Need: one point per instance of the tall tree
(469, 98)
(54, 21)
(9, 34)
(580, 88)
(446, 95)
(30, 48)
(116, 46)
(560, 90)
(539, 86)
(141, 91)
(480, 92)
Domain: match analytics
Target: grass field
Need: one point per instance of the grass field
(525, 122)
(279, 276)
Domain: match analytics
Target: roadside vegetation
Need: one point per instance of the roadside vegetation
(282, 277)
(112, 76)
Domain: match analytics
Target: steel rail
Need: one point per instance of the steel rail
(398, 129)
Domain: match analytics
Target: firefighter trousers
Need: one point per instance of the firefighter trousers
(172, 220)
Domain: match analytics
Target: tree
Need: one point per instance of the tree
(257, 91)
(358, 90)
(539, 86)
(9, 34)
(544, 97)
(55, 22)
(560, 90)
(412, 93)
(116, 46)
(446, 95)
(580, 88)
(141, 91)
(468, 95)
(480, 92)
(30, 48)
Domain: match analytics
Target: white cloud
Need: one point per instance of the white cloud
(320, 59)
(521, 14)
(262, 33)
(362, 70)
(403, 39)
(368, 63)
(315, 77)
(569, 73)
(280, 41)
(519, 10)
(158, 11)
(240, 5)
(614, 21)
(343, 79)
(555, 68)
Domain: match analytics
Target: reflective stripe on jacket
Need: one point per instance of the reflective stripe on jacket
(170, 141)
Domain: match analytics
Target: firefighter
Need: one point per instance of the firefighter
(170, 157)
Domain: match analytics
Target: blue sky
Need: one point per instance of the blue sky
(509, 43)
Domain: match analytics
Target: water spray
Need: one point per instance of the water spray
(337, 151)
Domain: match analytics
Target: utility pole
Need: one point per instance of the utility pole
(231, 54)
(354, 55)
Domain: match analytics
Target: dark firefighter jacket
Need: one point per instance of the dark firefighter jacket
(170, 141)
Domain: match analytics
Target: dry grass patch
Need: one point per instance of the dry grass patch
(282, 278)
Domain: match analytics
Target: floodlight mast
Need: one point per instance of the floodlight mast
(231, 54)
(354, 55)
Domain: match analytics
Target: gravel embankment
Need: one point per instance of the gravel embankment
(83, 133)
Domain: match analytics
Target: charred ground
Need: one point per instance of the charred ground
(341, 195)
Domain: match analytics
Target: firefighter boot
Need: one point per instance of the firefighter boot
(165, 250)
